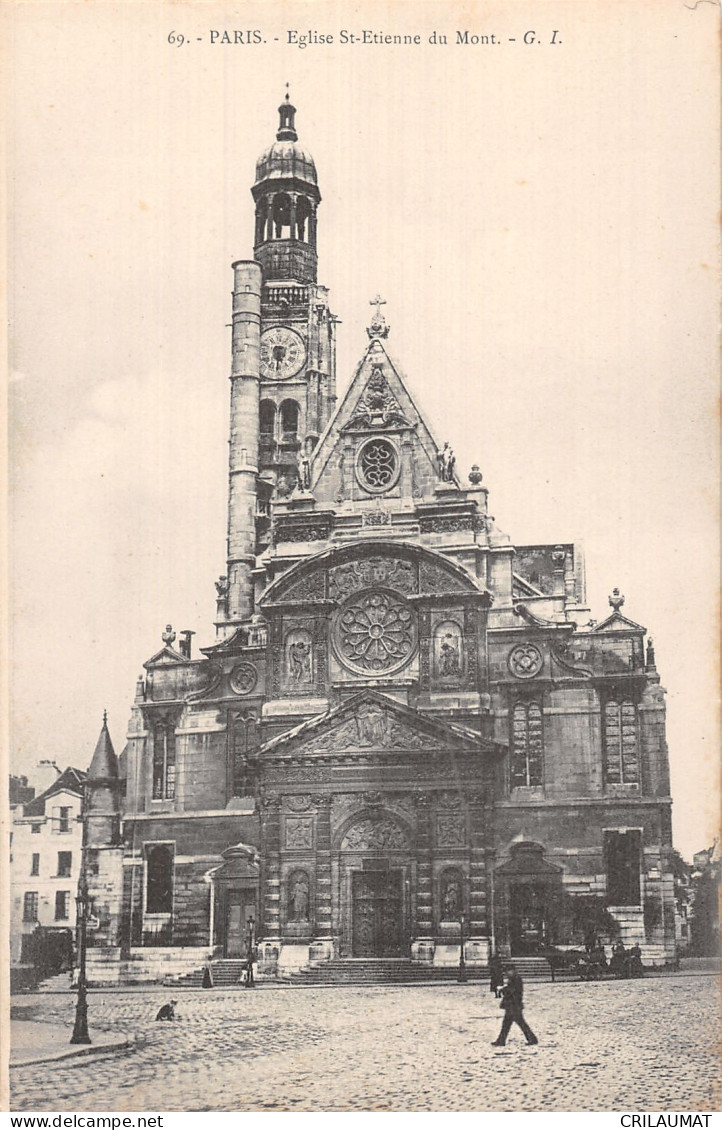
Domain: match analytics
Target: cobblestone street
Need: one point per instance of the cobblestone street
(642, 1045)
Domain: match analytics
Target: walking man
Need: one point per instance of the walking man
(512, 1001)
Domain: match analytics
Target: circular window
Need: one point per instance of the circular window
(378, 465)
(243, 678)
(375, 632)
(525, 661)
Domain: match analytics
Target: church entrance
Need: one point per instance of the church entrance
(240, 913)
(528, 926)
(377, 917)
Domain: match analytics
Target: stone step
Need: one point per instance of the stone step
(359, 971)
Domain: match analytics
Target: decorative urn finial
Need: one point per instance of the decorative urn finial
(616, 600)
(475, 475)
(168, 636)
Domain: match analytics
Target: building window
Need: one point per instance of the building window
(62, 904)
(623, 864)
(35, 866)
(267, 421)
(621, 755)
(65, 864)
(378, 465)
(289, 420)
(159, 879)
(30, 906)
(164, 761)
(35, 829)
(62, 819)
(527, 745)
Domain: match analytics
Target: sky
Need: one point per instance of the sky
(541, 220)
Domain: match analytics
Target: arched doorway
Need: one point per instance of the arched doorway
(530, 889)
(374, 875)
(236, 899)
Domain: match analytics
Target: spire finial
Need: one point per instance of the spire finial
(287, 113)
(105, 717)
(378, 327)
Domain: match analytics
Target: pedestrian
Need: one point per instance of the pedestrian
(167, 1011)
(249, 982)
(496, 974)
(512, 1001)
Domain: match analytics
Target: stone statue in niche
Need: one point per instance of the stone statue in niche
(299, 656)
(298, 897)
(450, 897)
(372, 724)
(448, 650)
(446, 464)
(303, 464)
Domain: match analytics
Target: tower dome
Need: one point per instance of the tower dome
(286, 195)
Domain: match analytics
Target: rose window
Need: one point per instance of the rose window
(378, 465)
(375, 632)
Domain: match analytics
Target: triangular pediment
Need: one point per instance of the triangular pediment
(376, 403)
(166, 657)
(372, 721)
(618, 623)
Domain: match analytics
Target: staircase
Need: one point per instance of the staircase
(58, 983)
(226, 972)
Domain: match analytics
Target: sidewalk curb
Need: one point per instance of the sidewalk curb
(76, 1052)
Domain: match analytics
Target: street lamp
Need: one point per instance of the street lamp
(462, 956)
(80, 1031)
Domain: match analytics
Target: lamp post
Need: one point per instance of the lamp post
(462, 956)
(82, 901)
(80, 1031)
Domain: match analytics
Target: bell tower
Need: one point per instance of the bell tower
(283, 377)
(297, 347)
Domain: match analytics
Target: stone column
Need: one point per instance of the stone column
(323, 948)
(244, 437)
(268, 928)
(478, 945)
(422, 945)
(294, 229)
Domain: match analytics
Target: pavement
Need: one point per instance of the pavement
(33, 1042)
(616, 1045)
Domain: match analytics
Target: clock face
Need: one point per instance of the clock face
(282, 353)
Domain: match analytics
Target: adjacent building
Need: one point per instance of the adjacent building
(46, 851)
(408, 725)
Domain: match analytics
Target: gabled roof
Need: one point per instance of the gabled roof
(69, 781)
(382, 714)
(618, 623)
(405, 407)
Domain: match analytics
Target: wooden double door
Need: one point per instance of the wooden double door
(240, 912)
(378, 914)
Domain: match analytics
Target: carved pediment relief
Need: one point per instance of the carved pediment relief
(377, 407)
(372, 727)
(369, 834)
(370, 721)
(393, 572)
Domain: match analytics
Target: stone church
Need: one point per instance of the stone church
(408, 731)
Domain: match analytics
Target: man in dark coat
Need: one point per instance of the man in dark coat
(496, 975)
(512, 1001)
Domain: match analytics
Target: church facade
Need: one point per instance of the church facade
(408, 731)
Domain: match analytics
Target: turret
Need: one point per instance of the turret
(102, 793)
